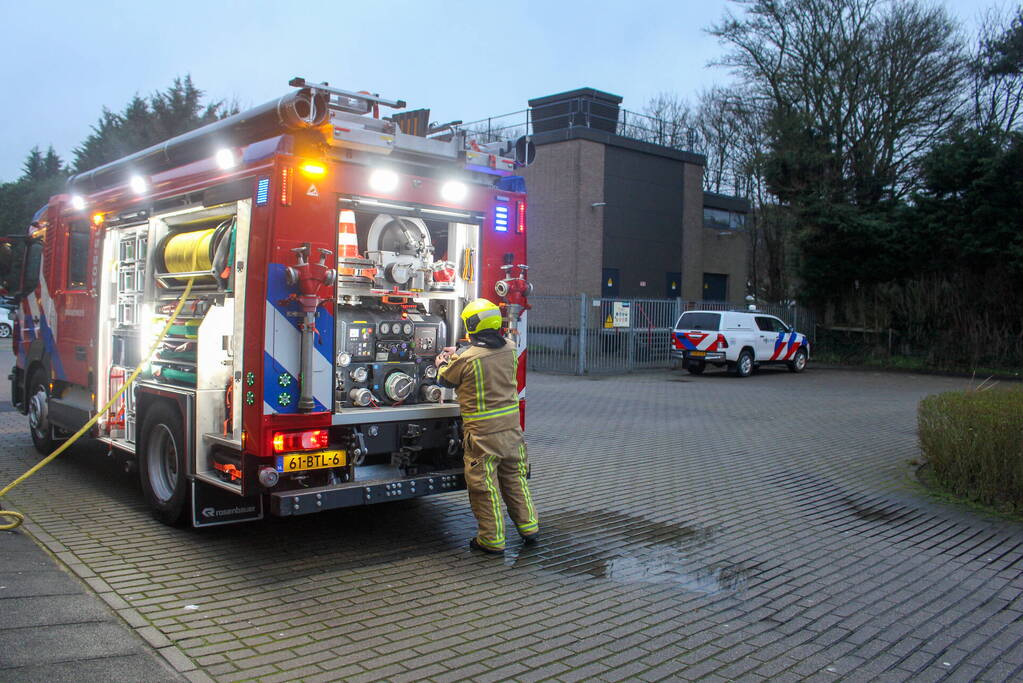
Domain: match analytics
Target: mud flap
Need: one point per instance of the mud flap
(213, 506)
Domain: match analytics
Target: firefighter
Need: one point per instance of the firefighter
(484, 375)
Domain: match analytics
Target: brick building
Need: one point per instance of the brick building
(613, 215)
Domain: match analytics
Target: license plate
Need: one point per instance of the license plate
(294, 462)
(697, 354)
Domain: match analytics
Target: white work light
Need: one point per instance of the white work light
(78, 202)
(138, 184)
(383, 180)
(453, 191)
(226, 159)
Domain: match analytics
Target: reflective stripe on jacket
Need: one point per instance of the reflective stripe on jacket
(485, 380)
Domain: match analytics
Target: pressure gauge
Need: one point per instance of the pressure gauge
(407, 329)
(359, 374)
(344, 359)
(385, 328)
(430, 371)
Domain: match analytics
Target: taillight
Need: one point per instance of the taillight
(722, 342)
(310, 440)
(675, 342)
(520, 224)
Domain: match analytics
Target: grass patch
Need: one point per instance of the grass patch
(973, 442)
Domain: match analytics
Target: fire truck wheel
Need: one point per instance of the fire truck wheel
(162, 464)
(38, 414)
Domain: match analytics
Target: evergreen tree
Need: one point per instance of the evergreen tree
(142, 122)
(34, 168)
(53, 166)
(145, 122)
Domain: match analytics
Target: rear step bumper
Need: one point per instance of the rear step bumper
(306, 501)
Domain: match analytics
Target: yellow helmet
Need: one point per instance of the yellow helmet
(481, 315)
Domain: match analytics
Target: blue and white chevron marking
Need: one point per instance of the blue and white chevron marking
(282, 360)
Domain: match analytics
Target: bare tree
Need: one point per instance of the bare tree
(876, 80)
(995, 76)
(666, 120)
(729, 127)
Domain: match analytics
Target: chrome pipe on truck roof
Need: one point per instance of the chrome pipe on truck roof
(298, 110)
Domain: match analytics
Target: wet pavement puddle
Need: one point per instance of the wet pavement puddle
(629, 549)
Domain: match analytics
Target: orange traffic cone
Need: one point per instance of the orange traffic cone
(348, 246)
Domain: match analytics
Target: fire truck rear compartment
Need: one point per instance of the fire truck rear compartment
(152, 259)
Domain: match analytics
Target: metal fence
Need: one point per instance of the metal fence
(583, 335)
(584, 112)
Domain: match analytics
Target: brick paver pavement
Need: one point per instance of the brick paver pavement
(693, 528)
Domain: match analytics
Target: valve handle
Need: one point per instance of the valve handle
(301, 253)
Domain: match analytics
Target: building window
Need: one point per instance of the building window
(719, 219)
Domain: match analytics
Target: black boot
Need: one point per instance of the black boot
(475, 545)
(530, 539)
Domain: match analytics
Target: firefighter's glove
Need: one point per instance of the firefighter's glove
(444, 356)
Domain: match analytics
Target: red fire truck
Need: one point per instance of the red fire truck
(322, 252)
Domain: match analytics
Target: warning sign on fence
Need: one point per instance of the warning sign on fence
(622, 314)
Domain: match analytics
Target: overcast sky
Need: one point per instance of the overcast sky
(61, 61)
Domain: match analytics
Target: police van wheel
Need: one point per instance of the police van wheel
(798, 363)
(743, 366)
(38, 414)
(161, 461)
(696, 367)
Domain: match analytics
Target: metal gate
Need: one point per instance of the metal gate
(580, 334)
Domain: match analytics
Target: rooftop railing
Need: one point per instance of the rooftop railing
(587, 113)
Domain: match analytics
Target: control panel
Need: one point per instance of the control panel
(386, 357)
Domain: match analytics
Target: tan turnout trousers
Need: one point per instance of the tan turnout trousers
(496, 464)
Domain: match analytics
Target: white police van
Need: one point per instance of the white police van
(742, 341)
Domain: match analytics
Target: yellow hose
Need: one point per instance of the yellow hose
(188, 251)
(17, 516)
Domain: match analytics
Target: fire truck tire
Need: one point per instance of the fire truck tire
(161, 462)
(38, 422)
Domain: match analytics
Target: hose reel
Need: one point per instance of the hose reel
(205, 250)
